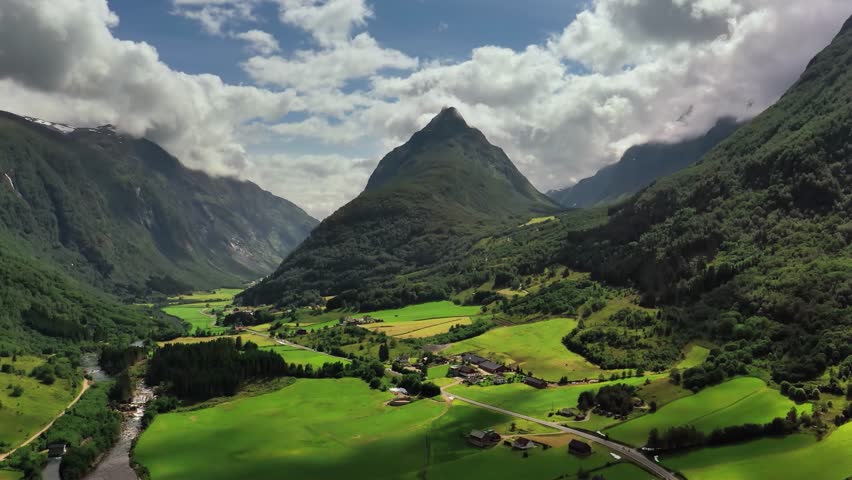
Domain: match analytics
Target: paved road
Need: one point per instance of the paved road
(630, 453)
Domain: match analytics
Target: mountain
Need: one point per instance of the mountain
(751, 246)
(125, 216)
(640, 166)
(428, 200)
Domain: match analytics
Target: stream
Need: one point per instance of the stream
(115, 465)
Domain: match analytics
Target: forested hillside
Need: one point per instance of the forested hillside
(124, 215)
(752, 245)
(427, 203)
(640, 166)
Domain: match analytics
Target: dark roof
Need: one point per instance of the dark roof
(478, 434)
(489, 365)
(535, 382)
(577, 446)
(473, 358)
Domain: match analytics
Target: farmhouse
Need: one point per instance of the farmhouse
(577, 447)
(500, 380)
(473, 359)
(462, 371)
(301, 331)
(483, 438)
(535, 382)
(567, 412)
(56, 449)
(522, 443)
(493, 367)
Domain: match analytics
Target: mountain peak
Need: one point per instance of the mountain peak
(448, 122)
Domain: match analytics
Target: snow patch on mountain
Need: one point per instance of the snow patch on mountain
(60, 127)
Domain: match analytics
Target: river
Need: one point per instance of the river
(115, 465)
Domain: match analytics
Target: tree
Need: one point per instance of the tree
(654, 438)
(653, 406)
(375, 383)
(674, 376)
(849, 391)
(384, 353)
(586, 400)
(429, 390)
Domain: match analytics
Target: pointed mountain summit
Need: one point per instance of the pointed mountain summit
(427, 200)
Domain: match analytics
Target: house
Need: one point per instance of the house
(483, 438)
(402, 360)
(301, 331)
(522, 443)
(567, 412)
(577, 447)
(473, 359)
(398, 391)
(535, 382)
(500, 380)
(464, 371)
(493, 367)
(57, 449)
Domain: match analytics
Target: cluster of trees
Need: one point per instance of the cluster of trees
(687, 436)
(720, 365)
(57, 366)
(458, 333)
(117, 358)
(617, 399)
(562, 298)
(247, 319)
(415, 385)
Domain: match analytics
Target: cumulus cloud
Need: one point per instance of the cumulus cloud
(622, 72)
(259, 41)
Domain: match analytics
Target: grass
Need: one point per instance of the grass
(220, 294)
(522, 398)
(21, 417)
(735, 402)
(437, 372)
(192, 313)
(418, 328)
(536, 347)
(331, 429)
(695, 356)
(425, 311)
(794, 456)
(301, 356)
(11, 475)
(260, 340)
(537, 220)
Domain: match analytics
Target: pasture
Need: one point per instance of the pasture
(21, 417)
(197, 315)
(260, 340)
(418, 328)
(537, 347)
(11, 475)
(300, 356)
(328, 429)
(218, 295)
(735, 402)
(794, 456)
(695, 356)
(522, 398)
(425, 311)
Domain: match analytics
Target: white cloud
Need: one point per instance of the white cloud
(259, 41)
(622, 72)
(328, 68)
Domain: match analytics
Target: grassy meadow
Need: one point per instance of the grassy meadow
(735, 402)
(794, 456)
(537, 347)
(331, 429)
(425, 311)
(260, 340)
(218, 295)
(10, 475)
(695, 355)
(21, 417)
(418, 328)
(301, 356)
(196, 314)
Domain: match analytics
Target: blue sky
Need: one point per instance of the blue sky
(304, 97)
(427, 29)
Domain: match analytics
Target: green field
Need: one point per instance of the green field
(522, 398)
(735, 402)
(695, 356)
(301, 356)
(331, 429)
(22, 417)
(795, 456)
(419, 328)
(192, 313)
(220, 294)
(425, 311)
(537, 347)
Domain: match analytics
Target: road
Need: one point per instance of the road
(629, 453)
(86, 385)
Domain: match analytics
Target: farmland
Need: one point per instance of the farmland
(260, 340)
(795, 456)
(196, 314)
(694, 356)
(339, 427)
(23, 416)
(418, 328)
(424, 311)
(735, 402)
(218, 295)
(535, 347)
(301, 356)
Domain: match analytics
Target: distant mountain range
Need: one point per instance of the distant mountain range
(428, 200)
(640, 166)
(122, 214)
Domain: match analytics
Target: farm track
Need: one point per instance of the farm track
(630, 453)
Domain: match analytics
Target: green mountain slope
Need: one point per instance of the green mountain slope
(753, 244)
(125, 216)
(640, 166)
(427, 201)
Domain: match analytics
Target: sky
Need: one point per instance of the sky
(304, 97)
